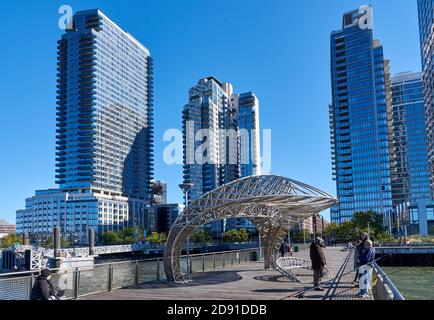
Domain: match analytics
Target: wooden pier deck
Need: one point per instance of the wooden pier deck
(248, 281)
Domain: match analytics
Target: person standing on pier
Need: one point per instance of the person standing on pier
(43, 288)
(360, 245)
(366, 259)
(318, 260)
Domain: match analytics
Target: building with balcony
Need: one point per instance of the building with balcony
(104, 141)
(426, 30)
(221, 141)
(410, 175)
(359, 120)
(6, 228)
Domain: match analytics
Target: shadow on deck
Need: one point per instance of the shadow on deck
(246, 282)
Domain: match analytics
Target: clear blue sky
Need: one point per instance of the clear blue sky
(277, 48)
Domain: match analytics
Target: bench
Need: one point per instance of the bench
(287, 265)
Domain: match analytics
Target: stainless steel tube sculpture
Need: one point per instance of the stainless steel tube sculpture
(273, 203)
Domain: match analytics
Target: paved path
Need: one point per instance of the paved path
(247, 281)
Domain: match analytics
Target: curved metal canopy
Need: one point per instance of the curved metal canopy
(273, 203)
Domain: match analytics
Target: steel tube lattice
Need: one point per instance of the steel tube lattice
(273, 203)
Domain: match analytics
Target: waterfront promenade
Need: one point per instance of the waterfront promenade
(248, 281)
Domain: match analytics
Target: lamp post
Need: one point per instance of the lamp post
(186, 187)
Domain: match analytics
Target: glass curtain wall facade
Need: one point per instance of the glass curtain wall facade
(104, 141)
(426, 30)
(105, 112)
(360, 128)
(410, 178)
(214, 107)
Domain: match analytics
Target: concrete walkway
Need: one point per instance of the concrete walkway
(248, 281)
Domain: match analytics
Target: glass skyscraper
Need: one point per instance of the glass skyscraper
(104, 141)
(214, 145)
(410, 176)
(360, 126)
(426, 30)
(248, 123)
(104, 113)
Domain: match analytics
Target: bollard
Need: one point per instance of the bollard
(76, 284)
(91, 241)
(26, 241)
(56, 240)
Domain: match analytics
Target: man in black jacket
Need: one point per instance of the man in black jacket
(43, 288)
(319, 262)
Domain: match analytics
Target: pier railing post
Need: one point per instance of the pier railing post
(110, 278)
(157, 275)
(30, 287)
(239, 257)
(214, 261)
(203, 263)
(232, 258)
(76, 283)
(136, 277)
(224, 260)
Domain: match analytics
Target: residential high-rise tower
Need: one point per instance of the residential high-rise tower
(360, 127)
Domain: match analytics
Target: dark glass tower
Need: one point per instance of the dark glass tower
(410, 177)
(105, 109)
(359, 122)
(426, 30)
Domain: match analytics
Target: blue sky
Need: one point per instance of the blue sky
(277, 48)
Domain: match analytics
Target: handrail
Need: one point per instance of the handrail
(30, 272)
(385, 279)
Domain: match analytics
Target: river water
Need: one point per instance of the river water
(415, 283)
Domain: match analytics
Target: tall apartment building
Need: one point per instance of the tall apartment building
(410, 177)
(426, 30)
(216, 151)
(6, 228)
(359, 121)
(104, 159)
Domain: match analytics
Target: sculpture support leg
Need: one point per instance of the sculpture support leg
(272, 235)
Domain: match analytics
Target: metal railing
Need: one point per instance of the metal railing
(384, 289)
(394, 244)
(111, 276)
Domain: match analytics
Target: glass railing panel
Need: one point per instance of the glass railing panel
(93, 281)
(147, 271)
(196, 264)
(123, 275)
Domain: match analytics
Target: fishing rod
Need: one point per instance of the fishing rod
(387, 275)
(301, 294)
(406, 268)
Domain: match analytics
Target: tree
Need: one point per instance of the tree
(111, 238)
(10, 240)
(244, 234)
(362, 220)
(200, 236)
(157, 238)
(236, 235)
(49, 243)
(300, 235)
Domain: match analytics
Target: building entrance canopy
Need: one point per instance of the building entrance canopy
(274, 204)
